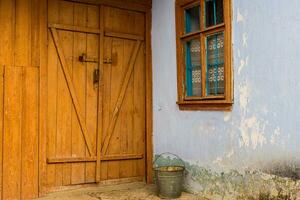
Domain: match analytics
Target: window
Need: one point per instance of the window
(204, 71)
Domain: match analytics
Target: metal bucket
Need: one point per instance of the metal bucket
(169, 179)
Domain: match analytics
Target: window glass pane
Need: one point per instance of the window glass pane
(193, 68)
(215, 64)
(192, 19)
(213, 12)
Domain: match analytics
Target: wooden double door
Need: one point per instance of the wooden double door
(96, 94)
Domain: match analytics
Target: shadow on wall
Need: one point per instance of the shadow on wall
(280, 181)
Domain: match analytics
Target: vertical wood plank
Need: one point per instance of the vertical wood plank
(1, 124)
(23, 33)
(34, 55)
(12, 133)
(125, 120)
(43, 96)
(7, 22)
(117, 70)
(107, 53)
(100, 96)
(64, 102)
(91, 89)
(53, 15)
(29, 173)
(79, 81)
(139, 111)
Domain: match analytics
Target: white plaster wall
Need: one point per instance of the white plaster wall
(264, 124)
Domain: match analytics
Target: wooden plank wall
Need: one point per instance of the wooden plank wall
(23, 98)
(19, 97)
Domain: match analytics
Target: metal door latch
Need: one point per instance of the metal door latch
(83, 58)
(107, 61)
(96, 76)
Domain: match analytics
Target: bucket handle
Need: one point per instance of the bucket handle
(160, 155)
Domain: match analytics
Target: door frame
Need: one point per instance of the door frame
(135, 5)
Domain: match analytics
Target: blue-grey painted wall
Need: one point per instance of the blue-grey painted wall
(263, 127)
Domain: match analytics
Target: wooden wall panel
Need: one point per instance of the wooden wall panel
(42, 38)
(33, 82)
(26, 27)
(12, 134)
(30, 102)
(7, 39)
(23, 33)
(20, 135)
(19, 58)
(36, 43)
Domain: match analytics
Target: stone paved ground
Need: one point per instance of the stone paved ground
(131, 191)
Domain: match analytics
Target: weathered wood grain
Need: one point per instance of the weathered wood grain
(37, 117)
(29, 138)
(12, 133)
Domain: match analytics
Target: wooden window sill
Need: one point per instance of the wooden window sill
(205, 105)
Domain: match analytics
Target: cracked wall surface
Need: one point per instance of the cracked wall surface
(260, 135)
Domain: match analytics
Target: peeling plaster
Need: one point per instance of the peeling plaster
(252, 132)
(243, 63)
(251, 128)
(275, 136)
(227, 116)
(245, 39)
(239, 18)
(230, 154)
(244, 91)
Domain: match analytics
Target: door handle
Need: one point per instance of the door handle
(96, 76)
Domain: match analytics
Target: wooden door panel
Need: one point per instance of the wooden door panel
(72, 95)
(124, 21)
(124, 116)
(74, 30)
(124, 95)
